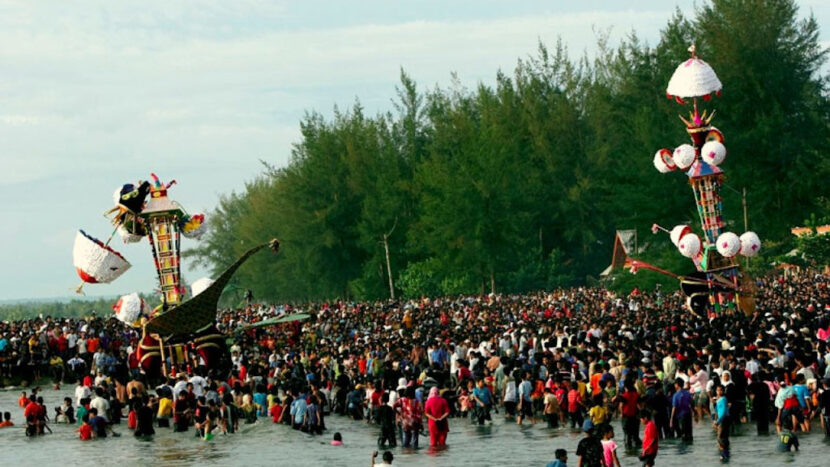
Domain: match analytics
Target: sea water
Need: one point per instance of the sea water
(263, 443)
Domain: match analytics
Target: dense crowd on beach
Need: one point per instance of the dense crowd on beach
(579, 357)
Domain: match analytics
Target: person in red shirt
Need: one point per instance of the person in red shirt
(86, 429)
(23, 401)
(575, 407)
(629, 406)
(276, 410)
(32, 409)
(92, 345)
(650, 443)
(63, 344)
(7, 420)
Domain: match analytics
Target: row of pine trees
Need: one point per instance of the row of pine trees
(521, 185)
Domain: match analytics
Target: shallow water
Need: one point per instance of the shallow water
(266, 444)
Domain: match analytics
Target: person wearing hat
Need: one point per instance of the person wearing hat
(589, 450)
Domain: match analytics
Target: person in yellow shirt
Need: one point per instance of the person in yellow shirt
(165, 411)
(598, 413)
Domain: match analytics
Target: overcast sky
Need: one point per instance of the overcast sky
(97, 94)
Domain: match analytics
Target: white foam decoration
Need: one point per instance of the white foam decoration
(713, 153)
(128, 237)
(663, 161)
(99, 263)
(130, 308)
(689, 245)
(116, 197)
(693, 78)
(728, 244)
(750, 244)
(678, 232)
(200, 285)
(684, 156)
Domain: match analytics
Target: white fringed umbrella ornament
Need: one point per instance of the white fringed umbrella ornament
(693, 78)
(678, 232)
(750, 244)
(663, 161)
(714, 135)
(728, 244)
(95, 262)
(127, 236)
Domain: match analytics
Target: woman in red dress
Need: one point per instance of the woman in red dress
(437, 410)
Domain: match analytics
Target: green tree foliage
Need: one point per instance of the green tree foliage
(520, 185)
(815, 249)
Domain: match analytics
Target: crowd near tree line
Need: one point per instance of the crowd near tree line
(577, 357)
(519, 185)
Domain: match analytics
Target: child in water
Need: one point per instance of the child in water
(7, 420)
(386, 420)
(338, 439)
(85, 430)
(787, 441)
(609, 447)
(464, 403)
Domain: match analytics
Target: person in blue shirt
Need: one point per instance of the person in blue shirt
(261, 400)
(561, 459)
(298, 411)
(525, 403)
(484, 401)
(802, 393)
(681, 410)
(722, 422)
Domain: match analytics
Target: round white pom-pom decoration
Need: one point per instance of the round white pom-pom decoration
(713, 152)
(728, 244)
(130, 308)
(689, 245)
(678, 232)
(684, 156)
(750, 244)
(663, 161)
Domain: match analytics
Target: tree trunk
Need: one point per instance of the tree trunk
(388, 266)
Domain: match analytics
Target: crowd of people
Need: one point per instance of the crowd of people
(580, 357)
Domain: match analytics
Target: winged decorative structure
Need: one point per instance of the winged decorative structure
(180, 327)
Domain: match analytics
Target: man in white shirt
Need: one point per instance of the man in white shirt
(199, 385)
(181, 385)
(103, 405)
(71, 341)
(753, 365)
(81, 392)
(81, 343)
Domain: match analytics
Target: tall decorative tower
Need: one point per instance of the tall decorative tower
(161, 219)
(717, 283)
